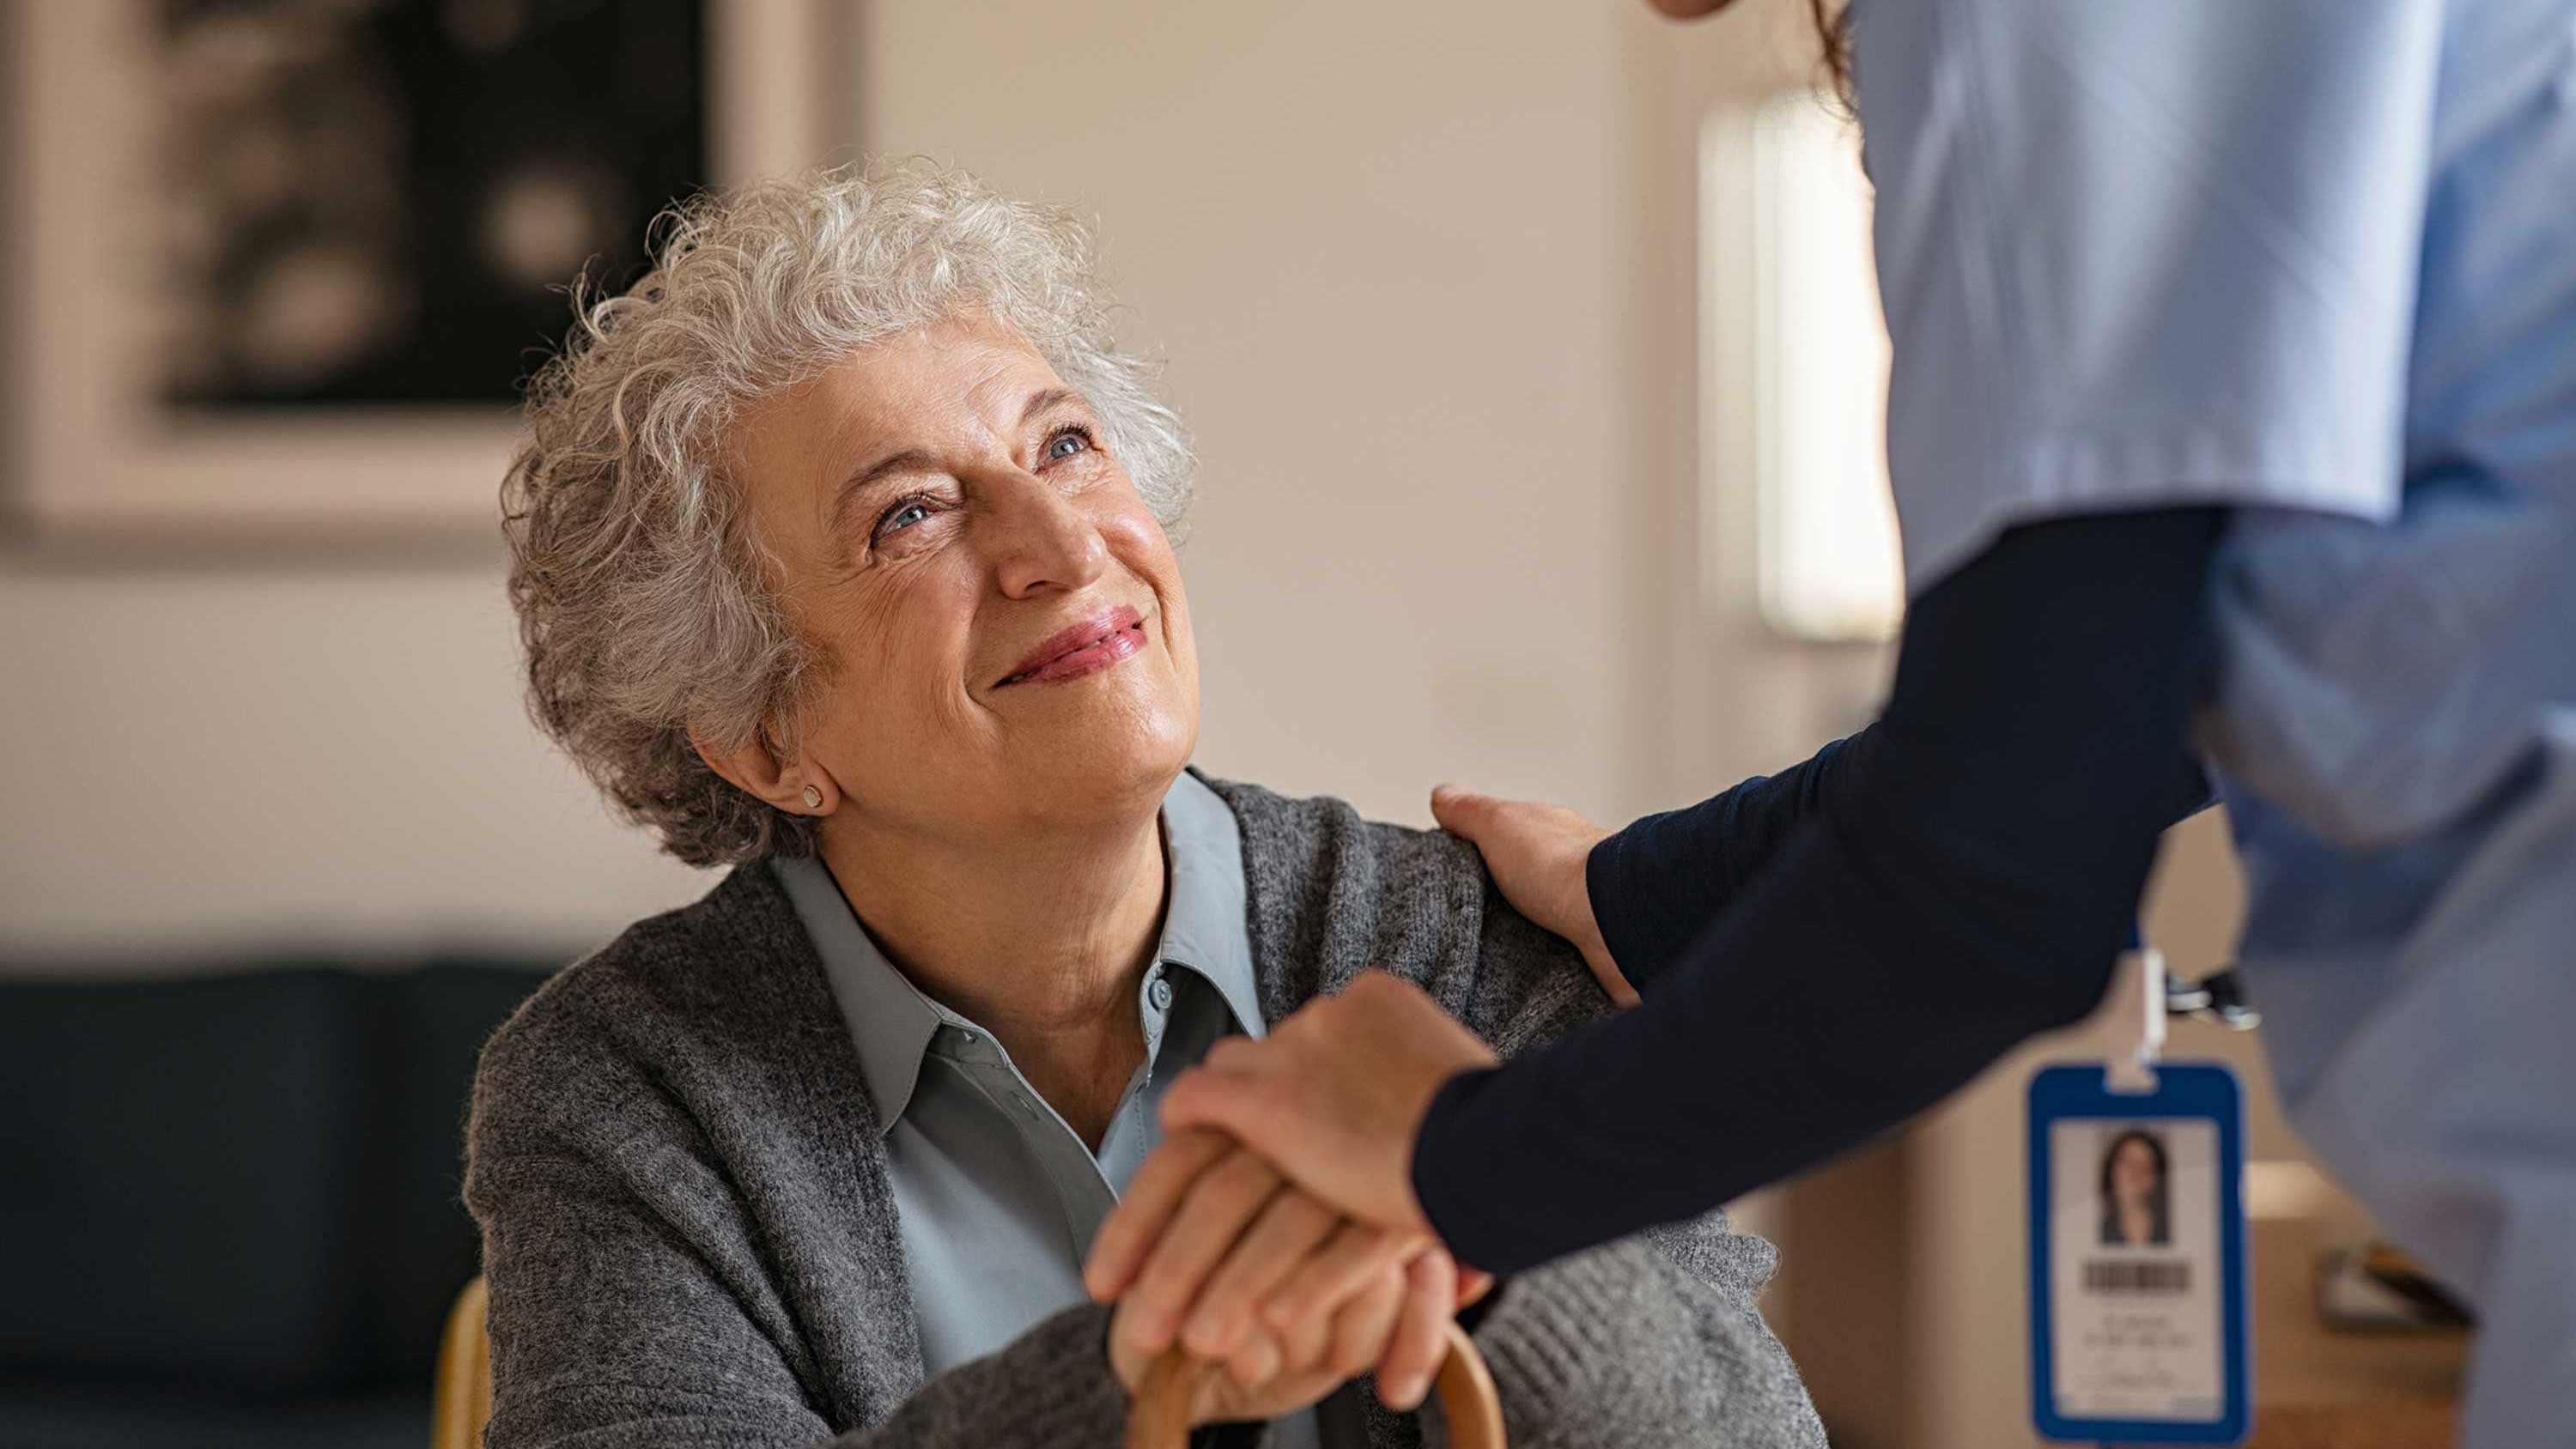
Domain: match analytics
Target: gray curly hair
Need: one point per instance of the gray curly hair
(646, 605)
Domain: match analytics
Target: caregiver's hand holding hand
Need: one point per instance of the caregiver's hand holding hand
(1335, 1095)
(1391, 1318)
(1537, 855)
(1330, 1102)
(1211, 1212)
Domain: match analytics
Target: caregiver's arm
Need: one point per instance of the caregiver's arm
(1654, 884)
(1644, 893)
(1655, 1340)
(1971, 885)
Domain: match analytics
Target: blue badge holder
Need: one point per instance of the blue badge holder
(2183, 1092)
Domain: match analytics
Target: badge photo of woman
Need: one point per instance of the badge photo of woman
(2133, 1191)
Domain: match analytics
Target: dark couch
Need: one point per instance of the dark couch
(228, 1203)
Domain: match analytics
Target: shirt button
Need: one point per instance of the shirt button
(1160, 993)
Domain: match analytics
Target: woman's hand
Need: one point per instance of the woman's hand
(1331, 1099)
(1537, 855)
(1290, 1296)
(1392, 1322)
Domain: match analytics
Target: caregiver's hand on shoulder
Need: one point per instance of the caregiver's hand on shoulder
(1370, 1298)
(1537, 855)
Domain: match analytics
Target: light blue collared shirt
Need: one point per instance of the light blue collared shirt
(2315, 261)
(997, 1197)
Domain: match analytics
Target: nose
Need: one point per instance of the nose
(1039, 541)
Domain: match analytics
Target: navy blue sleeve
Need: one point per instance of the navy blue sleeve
(1656, 884)
(1965, 881)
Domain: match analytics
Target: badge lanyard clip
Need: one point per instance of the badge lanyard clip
(2142, 1008)
(2150, 998)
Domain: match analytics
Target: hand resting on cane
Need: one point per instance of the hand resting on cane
(1372, 1299)
(1205, 1229)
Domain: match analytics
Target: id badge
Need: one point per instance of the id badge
(2137, 1257)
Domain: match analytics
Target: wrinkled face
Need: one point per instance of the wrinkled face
(2133, 1171)
(1008, 640)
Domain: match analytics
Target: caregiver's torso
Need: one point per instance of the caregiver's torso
(2314, 258)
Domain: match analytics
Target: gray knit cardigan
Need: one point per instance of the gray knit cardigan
(690, 1239)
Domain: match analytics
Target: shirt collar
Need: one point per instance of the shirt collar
(1206, 925)
(892, 1024)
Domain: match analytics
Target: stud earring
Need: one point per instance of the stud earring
(813, 797)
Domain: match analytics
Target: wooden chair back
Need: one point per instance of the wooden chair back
(462, 1399)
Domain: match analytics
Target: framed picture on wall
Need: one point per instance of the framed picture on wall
(282, 266)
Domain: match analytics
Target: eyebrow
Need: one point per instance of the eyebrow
(914, 459)
(1045, 398)
(908, 461)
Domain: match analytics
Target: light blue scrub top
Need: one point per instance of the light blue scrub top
(2314, 260)
(997, 1198)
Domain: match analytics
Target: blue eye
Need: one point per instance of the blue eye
(1066, 443)
(902, 516)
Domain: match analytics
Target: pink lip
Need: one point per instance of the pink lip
(1085, 648)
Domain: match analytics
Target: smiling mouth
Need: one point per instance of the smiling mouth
(1083, 649)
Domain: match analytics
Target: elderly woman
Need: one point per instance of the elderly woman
(842, 558)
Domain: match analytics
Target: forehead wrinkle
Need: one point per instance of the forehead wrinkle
(987, 398)
(1002, 369)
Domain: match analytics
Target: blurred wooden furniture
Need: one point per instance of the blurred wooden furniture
(2316, 1388)
(463, 1400)
(2424, 1425)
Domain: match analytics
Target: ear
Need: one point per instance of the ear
(799, 786)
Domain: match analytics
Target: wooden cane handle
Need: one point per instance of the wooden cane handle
(1160, 1416)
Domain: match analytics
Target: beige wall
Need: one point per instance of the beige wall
(245, 758)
